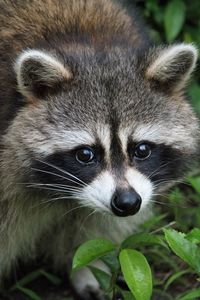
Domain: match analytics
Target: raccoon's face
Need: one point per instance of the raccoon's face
(108, 130)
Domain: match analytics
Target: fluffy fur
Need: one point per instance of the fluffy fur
(74, 74)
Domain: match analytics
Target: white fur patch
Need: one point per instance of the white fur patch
(99, 193)
(141, 185)
(103, 133)
(64, 141)
(176, 136)
(124, 134)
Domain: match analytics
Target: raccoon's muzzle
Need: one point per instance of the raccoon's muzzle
(125, 202)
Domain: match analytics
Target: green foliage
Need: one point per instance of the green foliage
(142, 239)
(137, 273)
(90, 251)
(175, 21)
(174, 18)
(173, 254)
(192, 295)
(185, 249)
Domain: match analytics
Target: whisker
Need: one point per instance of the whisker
(168, 204)
(64, 197)
(63, 171)
(58, 198)
(73, 209)
(49, 184)
(156, 172)
(65, 187)
(86, 218)
(54, 174)
(161, 195)
(50, 189)
(170, 180)
(53, 200)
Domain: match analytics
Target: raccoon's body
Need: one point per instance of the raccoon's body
(93, 122)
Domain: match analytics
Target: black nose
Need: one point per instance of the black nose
(125, 203)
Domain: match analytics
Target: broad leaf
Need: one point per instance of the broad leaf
(90, 251)
(185, 249)
(137, 273)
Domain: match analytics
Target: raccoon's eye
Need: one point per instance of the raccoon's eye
(142, 151)
(85, 155)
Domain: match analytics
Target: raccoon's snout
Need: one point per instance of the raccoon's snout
(125, 202)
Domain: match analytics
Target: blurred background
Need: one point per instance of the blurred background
(174, 21)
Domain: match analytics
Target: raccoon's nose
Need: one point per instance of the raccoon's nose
(125, 202)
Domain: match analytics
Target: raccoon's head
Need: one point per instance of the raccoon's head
(107, 129)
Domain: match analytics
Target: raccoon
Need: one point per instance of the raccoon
(94, 123)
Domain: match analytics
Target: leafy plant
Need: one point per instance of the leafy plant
(155, 243)
(133, 265)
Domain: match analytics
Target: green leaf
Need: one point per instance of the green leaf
(174, 18)
(185, 249)
(137, 273)
(31, 294)
(102, 277)
(191, 295)
(90, 251)
(194, 236)
(142, 239)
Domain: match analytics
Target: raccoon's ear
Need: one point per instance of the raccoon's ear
(39, 73)
(171, 67)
